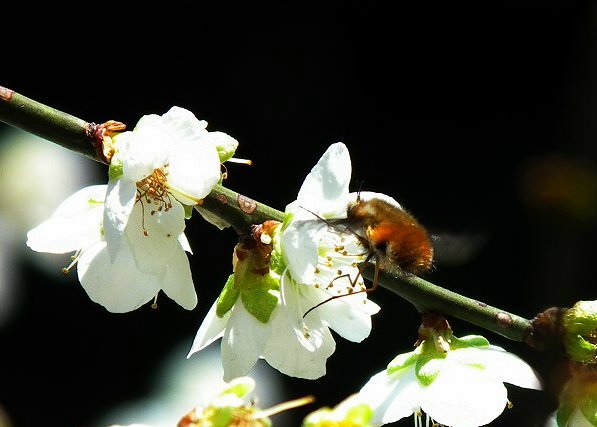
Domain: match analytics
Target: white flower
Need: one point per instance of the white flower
(165, 161)
(264, 316)
(143, 264)
(463, 386)
(321, 259)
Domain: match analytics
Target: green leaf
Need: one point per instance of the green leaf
(227, 297)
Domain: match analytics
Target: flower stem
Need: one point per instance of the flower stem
(241, 212)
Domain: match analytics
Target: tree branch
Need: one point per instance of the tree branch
(240, 212)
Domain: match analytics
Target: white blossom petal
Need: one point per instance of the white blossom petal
(147, 149)
(296, 301)
(75, 224)
(243, 342)
(193, 171)
(350, 316)
(327, 182)
(392, 397)
(153, 251)
(116, 286)
(463, 396)
(502, 365)
(178, 282)
(299, 246)
(120, 200)
(210, 330)
(286, 354)
(182, 125)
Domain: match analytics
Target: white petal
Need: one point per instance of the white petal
(502, 365)
(184, 243)
(328, 180)
(146, 150)
(210, 330)
(295, 305)
(349, 316)
(182, 125)
(299, 242)
(120, 199)
(177, 282)
(243, 342)
(153, 251)
(463, 396)
(289, 356)
(74, 225)
(118, 286)
(392, 397)
(194, 168)
(368, 195)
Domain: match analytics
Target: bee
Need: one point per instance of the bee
(390, 235)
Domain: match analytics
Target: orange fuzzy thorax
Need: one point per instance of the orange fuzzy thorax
(393, 235)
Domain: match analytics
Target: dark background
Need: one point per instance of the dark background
(477, 117)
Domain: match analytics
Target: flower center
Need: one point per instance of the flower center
(153, 191)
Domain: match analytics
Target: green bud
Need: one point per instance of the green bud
(580, 325)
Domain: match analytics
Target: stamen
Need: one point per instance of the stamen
(74, 260)
(241, 161)
(284, 406)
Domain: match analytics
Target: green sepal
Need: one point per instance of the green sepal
(402, 361)
(424, 374)
(468, 341)
(359, 415)
(226, 151)
(240, 387)
(260, 302)
(115, 170)
(580, 324)
(589, 410)
(563, 415)
(188, 211)
(227, 297)
(222, 416)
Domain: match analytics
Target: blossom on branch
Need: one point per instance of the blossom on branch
(165, 162)
(144, 265)
(264, 309)
(455, 381)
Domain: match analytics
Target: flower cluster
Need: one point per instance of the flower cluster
(292, 284)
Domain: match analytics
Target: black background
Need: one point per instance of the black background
(477, 117)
